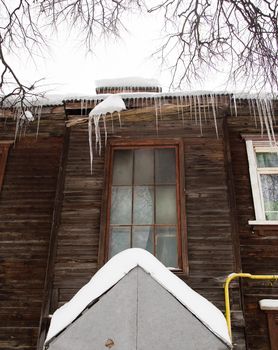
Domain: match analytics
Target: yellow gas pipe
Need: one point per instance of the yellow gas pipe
(229, 279)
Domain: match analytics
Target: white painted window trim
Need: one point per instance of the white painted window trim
(256, 182)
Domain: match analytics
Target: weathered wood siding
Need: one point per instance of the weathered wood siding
(258, 244)
(210, 245)
(26, 208)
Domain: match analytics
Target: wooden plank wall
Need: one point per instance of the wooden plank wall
(26, 208)
(258, 245)
(210, 245)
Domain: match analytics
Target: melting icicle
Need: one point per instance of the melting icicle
(214, 114)
(260, 115)
(119, 117)
(200, 115)
(204, 108)
(90, 131)
(156, 115)
(105, 129)
(182, 114)
(39, 112)
(235, 105)
(254, 112)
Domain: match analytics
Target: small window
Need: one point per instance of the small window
(4, 149)
(263, 168)
(144, 199)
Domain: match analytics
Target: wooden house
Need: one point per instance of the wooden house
(188, 176)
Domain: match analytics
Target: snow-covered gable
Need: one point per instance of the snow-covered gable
(115, 269)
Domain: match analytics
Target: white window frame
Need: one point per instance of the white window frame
(252, 148)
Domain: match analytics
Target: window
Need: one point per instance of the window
(4, 149)
(263, 168)
(145, 200)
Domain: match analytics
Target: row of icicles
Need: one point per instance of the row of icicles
(260, 108)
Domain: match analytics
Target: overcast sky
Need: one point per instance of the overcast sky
(68, 68)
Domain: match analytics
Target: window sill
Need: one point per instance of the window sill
(263, 222)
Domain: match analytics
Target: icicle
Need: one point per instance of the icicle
(268, 120)
(214, 114)
(90, 131)
(119, 116)
(235, 105)
(156, 115)
(97, 133)
(39, 112)
(204, 104)
(160, 108)
(260, 115)
(178, 108)
(254, 112)
(105, 129)
(182, 114)
(200, 115)
(190, 108)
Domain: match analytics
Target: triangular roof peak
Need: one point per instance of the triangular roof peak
(115, 269)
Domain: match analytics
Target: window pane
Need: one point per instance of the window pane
(270, 195)
(143, 205)
(122, 167)
(166, 246)
(166, 212)
(143, 167)
(121, 205)
(119, 240)
(267, 160)
(165, 166)
(142, 237)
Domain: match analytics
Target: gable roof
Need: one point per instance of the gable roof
(115, 269)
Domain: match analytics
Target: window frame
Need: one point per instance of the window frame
(106, 201)
(253, 147)
(4, 147)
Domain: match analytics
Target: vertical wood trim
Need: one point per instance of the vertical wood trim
(254, 181)
(3, 161)
(231, 195)
(56, 218)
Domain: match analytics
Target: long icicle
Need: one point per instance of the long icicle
(90, 131)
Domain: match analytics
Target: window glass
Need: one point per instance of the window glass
(166, 245)
(143, 167)
(121, 205)
(166, 212)
(143, 237)
(165, 166)
(267, 160)
(269, 185)
(143, 205)
(122, 167)
(119, 240)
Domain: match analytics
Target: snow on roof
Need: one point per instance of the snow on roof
(112, 103)
(127, 82)
(115, 269)
(269, 304)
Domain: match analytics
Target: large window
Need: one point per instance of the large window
(263, 167)
(144, 198)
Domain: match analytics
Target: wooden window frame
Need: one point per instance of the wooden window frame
(4, 147)
(106, 201)
(253, 147)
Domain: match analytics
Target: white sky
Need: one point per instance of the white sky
(68, 68)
